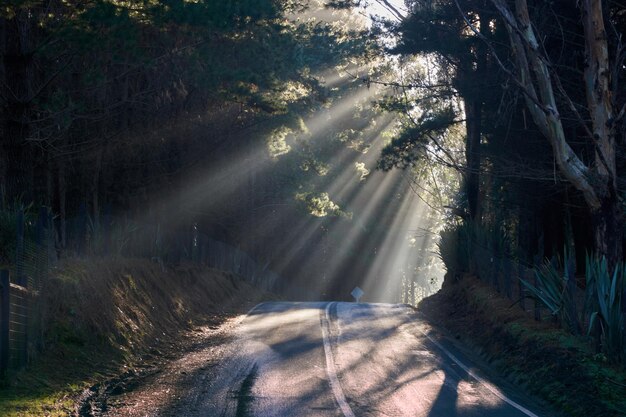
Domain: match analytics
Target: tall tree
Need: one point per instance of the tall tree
(545, 97)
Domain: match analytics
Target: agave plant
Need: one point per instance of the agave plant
(603, 304)
(552, 291)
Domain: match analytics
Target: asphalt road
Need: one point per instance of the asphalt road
(348, 360)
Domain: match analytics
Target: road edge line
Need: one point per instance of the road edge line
(255, 307)
(331, 371)
(494, 390)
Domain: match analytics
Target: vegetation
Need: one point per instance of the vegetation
(547, 361)
(335, 149)
(541, 157)
(103, 317)
(604, 302)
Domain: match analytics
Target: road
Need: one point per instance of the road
(347, 360)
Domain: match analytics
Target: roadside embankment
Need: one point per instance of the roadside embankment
(104, 317)
(547, 361)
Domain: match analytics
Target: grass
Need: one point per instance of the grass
(49, 387)
(549, 362)
(103, 316)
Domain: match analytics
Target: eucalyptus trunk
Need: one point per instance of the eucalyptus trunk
(537, 79)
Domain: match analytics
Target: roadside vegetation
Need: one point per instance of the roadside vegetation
(103, 317)
(562, 369)
(335, 149)
(561, 342)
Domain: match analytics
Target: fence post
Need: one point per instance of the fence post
(195, 243)
(51, 239)
(507, 277)
(40, 260)
(520, 287)
(19, 249)
(82, 229)
(106, 230)
(5, 289)
(495, 272)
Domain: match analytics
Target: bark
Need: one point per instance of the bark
(597, 89)
(608, 218)
(608, 230)
(95, 187)
(62, 204)
(473, 101)
(597, 182)
(17, 62)
(536, 82)
(473, 111)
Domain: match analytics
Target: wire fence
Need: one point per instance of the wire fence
(38, 247)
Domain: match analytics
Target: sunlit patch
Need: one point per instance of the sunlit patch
(471, 396)
(319, 205)
(360, 168)
(277, 142)
(348, 222)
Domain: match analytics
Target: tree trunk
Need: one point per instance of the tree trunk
(473, 111)
(17, 85)
(608, 236)
(49, 182)
(598, 183)
(607, 230)
(95, 187)
(62, 207)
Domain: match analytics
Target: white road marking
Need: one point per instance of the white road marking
(255, 307)
(331, 371)
(495, 391)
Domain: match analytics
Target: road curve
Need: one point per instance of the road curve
(347, 360)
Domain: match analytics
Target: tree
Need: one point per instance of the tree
(596, 179)
(436, 28)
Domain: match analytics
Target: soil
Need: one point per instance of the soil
(154, 386)
(546, 361)
(135, 333)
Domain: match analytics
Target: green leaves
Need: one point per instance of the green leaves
(552, 291)
(603, 302)
(320, 204)
(407, 147)
(550, 288)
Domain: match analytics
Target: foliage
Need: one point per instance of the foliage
(411, 142)
(319, 205)
(452, 250)
(552, 291)
(605, 290)
(8, 229)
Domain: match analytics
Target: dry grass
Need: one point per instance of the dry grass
(101, 315)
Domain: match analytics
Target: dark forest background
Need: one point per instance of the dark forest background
(227, 116)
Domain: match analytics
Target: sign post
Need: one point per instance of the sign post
(357, 293)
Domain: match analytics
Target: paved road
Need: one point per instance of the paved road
(347, 360)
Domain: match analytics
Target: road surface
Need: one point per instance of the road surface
(346, 360)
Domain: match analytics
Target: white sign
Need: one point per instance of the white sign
(357, 293)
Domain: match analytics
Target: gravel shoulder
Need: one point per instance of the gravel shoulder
(159, 385)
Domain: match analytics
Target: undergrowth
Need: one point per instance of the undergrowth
(103, 316)
(549, 362)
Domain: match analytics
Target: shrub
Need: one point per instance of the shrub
(603, 304)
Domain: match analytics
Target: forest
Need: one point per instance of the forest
(398, 146)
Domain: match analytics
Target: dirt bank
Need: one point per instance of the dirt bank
(551, 364)
(107, 320)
